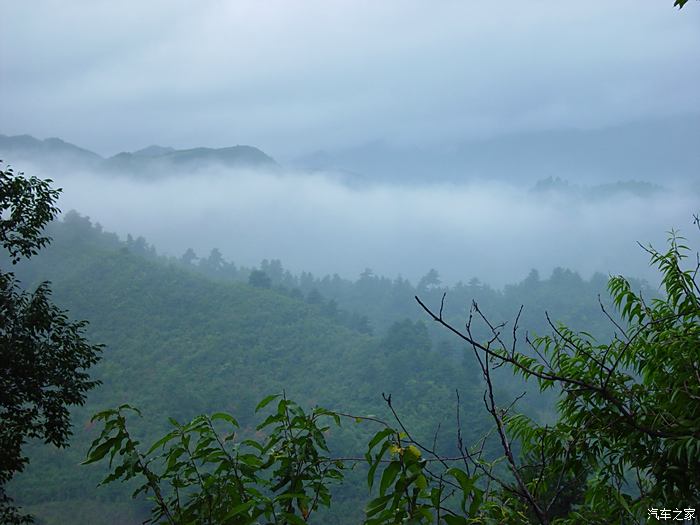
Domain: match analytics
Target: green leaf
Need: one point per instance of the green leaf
(388, 476)
(225, 417)
(377, 505)
(378, 437)
(100, 451)
(161, 442)
(266, 401)
(435, 496)
(465, 482)
(370, 474)
(455, 520)
(293, 519)
(239, 509)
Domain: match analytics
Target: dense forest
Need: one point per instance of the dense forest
(348, 263)
(186, 336)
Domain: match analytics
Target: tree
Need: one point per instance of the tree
(430, 280)
(625, 443)
(206, 473)
(43, 355)
(214, 264)
(627, 437)
(314, 297)
(188, 257)
(259, 279)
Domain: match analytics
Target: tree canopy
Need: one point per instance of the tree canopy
(44, 356)
(624, 446)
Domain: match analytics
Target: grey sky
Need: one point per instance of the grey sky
(291, 77)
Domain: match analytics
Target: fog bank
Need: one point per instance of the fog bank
(313, 222)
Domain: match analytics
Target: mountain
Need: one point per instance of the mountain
(178, 344)
(184, 338)
(46, 155)
(654, 150)
(156, 159)
(24, 149)
(153, 151)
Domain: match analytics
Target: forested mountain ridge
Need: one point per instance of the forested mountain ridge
(18, 148)
(185, 336)
(654, 150)
(374, 302)
(178, 344)
(149, 161)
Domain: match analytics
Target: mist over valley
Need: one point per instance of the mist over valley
(349, 262)
(326, 221)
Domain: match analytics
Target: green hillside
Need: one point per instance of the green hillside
(178, 344)
(185, 337)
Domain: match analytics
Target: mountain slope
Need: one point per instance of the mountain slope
(21, 149)
(179, 344)
(655, 150)
(189, 159)
(49, 154)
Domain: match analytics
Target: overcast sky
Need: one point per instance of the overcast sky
(296, 76)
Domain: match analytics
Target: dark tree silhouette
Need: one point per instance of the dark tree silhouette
(43, 355)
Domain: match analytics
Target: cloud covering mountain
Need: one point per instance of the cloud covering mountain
(325, 222)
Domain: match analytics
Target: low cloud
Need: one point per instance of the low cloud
(317, 223)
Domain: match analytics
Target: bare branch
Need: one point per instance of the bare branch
(611, 319)
(602, 390)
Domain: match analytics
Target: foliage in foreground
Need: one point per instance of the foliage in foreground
(627, 437)
(198, 473)
(43, 355)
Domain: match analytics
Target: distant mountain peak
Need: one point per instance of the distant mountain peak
(152, 160)
(158, 157)
(21, 149)
(153, 151)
